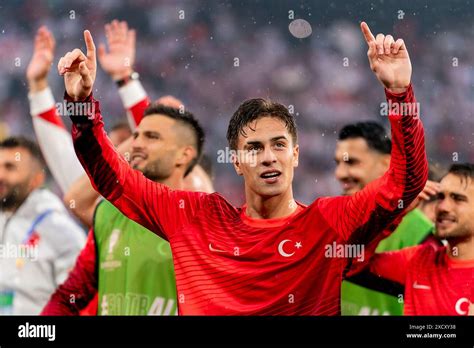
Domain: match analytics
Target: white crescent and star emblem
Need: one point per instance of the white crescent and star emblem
(282, 244)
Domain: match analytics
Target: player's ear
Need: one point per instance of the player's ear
(296, 155)
(187, 154)
(235, 161)
(386, 161)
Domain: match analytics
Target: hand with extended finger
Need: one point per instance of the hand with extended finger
(388, 59)
(79, 70)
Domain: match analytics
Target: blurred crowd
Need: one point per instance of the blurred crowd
(213, 56)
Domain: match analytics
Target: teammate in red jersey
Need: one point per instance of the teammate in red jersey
(439, 280)
(273, 255)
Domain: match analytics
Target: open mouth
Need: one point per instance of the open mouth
(443, 221)
(137, 157)
(270, 176)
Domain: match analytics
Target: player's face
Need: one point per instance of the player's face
(455, 208)
(155, 147)
(266, 157)
(16, 177)
(357, 164)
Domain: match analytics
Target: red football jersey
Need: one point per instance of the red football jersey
(227, 263)
(435, 284)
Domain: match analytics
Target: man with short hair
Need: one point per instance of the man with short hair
(39, 241)
(267, 257)
(439, 280)
(362, 155)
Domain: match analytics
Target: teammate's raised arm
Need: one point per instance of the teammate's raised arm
(40, 63)
(53, 137)
(118, 62)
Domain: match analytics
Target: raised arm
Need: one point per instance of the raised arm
(118, 62)
(152, 205)
(52, 135)
(361, 217)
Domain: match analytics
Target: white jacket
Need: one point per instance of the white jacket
(29, 275)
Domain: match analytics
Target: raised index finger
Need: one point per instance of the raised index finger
(89, 44)
(369, 37)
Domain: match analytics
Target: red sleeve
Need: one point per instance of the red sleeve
(392, 265)
(361, 217)
(80, 287)
(150, 204)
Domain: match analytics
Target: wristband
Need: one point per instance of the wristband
(122, 82)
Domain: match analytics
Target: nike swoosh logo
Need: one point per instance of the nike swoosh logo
(215, 250)
(420, 286)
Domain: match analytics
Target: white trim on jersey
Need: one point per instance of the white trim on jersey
(41, 101)
(132, 93)
(54, 140)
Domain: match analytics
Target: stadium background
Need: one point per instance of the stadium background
(325, 77)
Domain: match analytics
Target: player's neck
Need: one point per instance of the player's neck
(259, 207)
(175, 181)
(461, 250)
